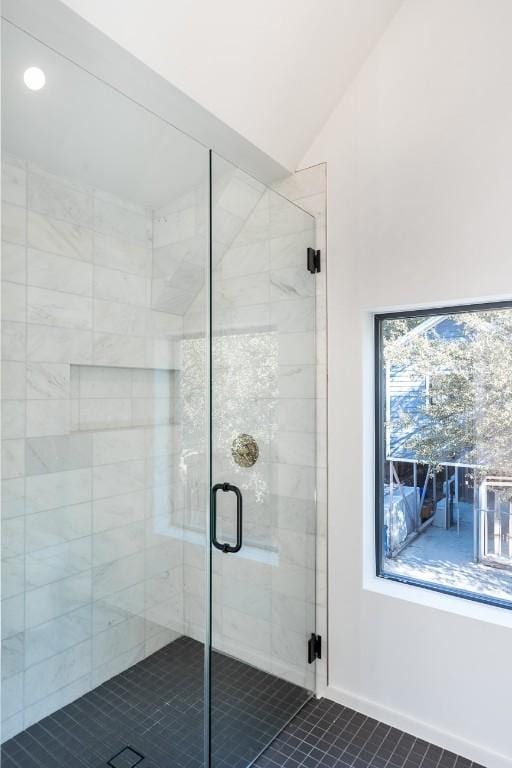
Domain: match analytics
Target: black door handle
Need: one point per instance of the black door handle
(225, 547)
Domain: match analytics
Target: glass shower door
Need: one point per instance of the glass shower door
(263, 511)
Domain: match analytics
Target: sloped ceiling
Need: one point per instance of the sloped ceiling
(273, 70)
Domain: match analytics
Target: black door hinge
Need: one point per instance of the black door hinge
(314, 648)
(313, 260)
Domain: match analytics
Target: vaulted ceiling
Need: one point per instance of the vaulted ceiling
(273, 70)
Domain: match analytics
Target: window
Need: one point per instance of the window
(444, 450)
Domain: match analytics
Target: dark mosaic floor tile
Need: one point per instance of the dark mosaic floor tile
(156, 707)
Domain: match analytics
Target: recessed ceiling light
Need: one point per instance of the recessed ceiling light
(34, 78)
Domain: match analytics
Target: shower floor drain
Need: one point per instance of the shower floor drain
(126, 758)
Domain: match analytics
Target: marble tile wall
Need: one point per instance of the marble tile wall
(92, 557)
(308, 188)
(264, 378)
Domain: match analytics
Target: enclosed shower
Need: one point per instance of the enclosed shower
(159, 410)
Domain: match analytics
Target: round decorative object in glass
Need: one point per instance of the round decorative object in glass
(245, 450)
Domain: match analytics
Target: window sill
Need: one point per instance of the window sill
(459, 606)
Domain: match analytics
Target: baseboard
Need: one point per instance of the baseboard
(421, 730)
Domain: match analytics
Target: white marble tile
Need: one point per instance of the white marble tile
(294, 448)
(117, 608)
(176, 226)
(48, 417)
(295, 415)
(48, 676)
(114, 350)
(56, 454)
(118, 478)
(13, 576)
(115, 511)
(13, 224)
(246, 260)
(291, 283)
(297, 348)
(117, 640)
(164, 324)
(13, 458)
(59, 237)
(116, 543)
(60, 561)
(13, 380)
(48, 381)
(55, 308)
(124, 255)
(13, 497)
(117, 575)
(13, 302)
(296, 381)
(104, 382)
(240, 195)
(112, 317)
(56, 526)
(13, 418)
(293, 315)
(14, 184)
(59, 273)
(13, 263)
(58, 489)
(118, 664)
(242, 291)
(53, 637)
(12, 695)
(113, 285)
(13, 615)
(112, 219)
(13, 533)
(10, 726)
(113, 446)
(48, 195)
(53, 600)
(246, 630)
(57, 700)
(297, 482)
(105, 413)
(286, 218)
(151, 411)
(58, 345)
(14, 337)
(13, 655)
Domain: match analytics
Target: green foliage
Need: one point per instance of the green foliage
(466, 415)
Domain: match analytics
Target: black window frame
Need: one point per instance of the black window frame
(379, 438)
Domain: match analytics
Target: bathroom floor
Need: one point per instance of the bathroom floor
(152, 715)
(155, 709)
(327, 735)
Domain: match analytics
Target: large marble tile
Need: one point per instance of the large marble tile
(113, 285)
(58, 273)
(116, 543)
(13, 649)
(104, 413)
(59, 345)
(48, 381)
(14, 263)
(124, 255)
(13, 380)
(13, 497)
(118, 478)
(117, 575)
(14, 302)
(118, 445)
(13, 224)
(291, 283)
(35, 712)
(58, 562)
(114, 511)
(58, 489)
(58, 598)
(13, 575)
(13, 615)
(112, 317)
(57, 526)
(117, 608)
(117, 640)
(121, 222)
(50, 675)
(59, 237)
(47, 194)
(115, 350)
(296, 348)
(12, 695)
(13, 536)
(14, 184)
(55, 308)
(48, 417)
(14, 339)
(46, 640)
(13, 458)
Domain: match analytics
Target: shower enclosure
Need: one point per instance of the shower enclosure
(159, 433)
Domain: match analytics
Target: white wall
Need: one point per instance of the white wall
(419, 163)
